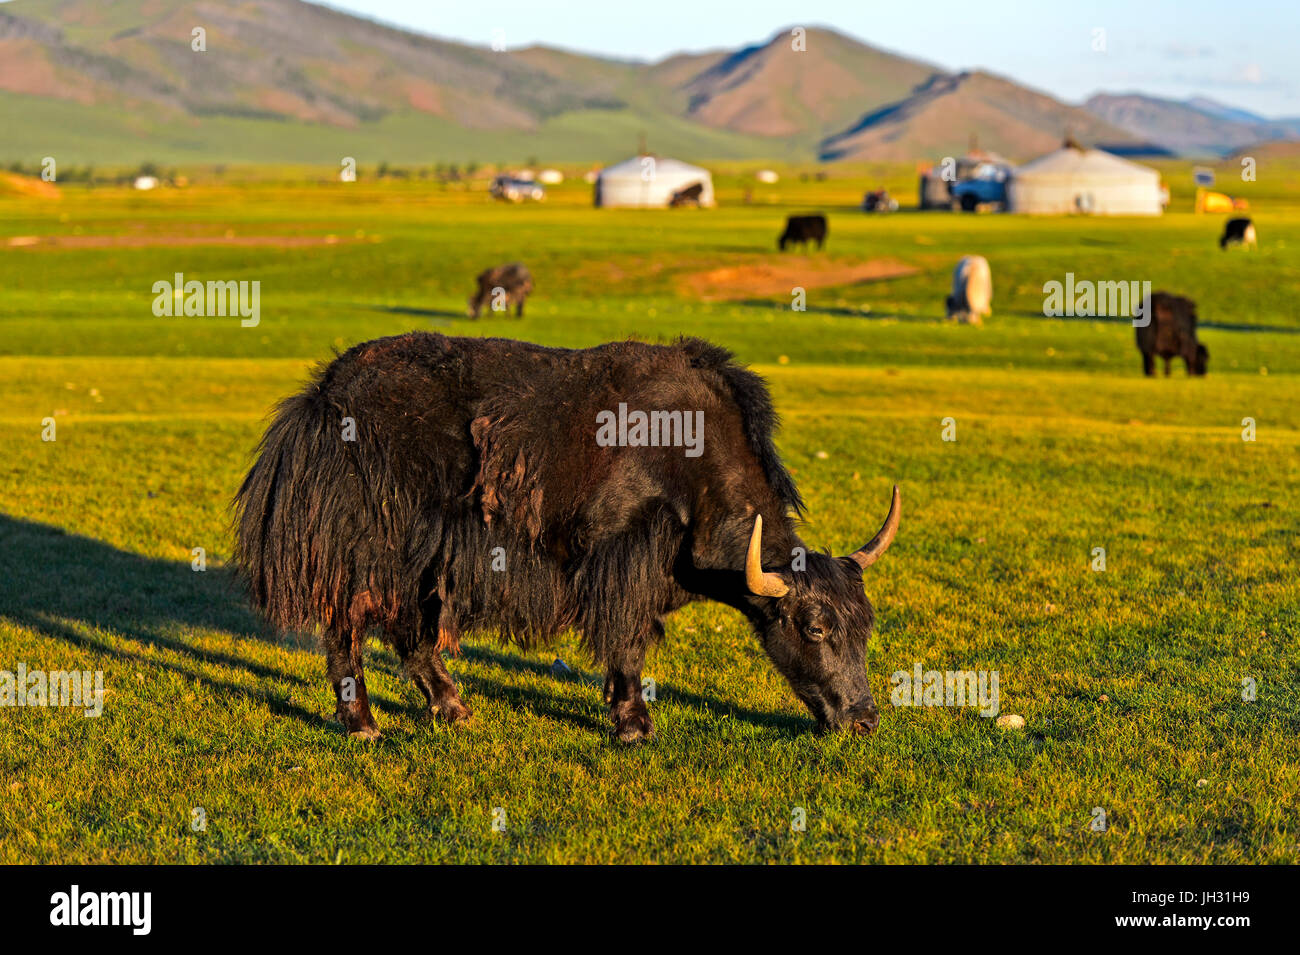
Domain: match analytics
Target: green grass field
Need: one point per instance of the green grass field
(1130, 680)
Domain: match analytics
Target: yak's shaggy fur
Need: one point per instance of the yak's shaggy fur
(465, 452)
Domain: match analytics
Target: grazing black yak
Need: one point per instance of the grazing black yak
(1171, 331)
(803, 229)
(432, 486)
(500, 287)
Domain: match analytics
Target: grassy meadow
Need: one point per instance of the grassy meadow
(1130, 680)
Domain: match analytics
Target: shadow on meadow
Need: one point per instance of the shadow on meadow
(412, 311)
(83, 592)
(835, 310)
(69, 588)
(1125, 320)
(487, 654)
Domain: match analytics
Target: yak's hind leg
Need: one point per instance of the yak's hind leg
(343, 660)
(425, 665)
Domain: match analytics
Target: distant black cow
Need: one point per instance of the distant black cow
(1238, 232)
(802, 229)
(1171, 331)
(690, 196)
(501, 287)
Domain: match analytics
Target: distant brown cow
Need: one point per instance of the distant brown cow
(1170, 332)
(690, 196)
(501, 287)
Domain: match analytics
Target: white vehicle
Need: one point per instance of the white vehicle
(517, 190)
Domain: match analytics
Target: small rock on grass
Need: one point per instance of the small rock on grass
(1011, 721)
(560, 670)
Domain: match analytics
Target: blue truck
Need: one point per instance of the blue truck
(985, 184)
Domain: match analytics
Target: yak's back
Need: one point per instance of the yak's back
(535, 435)
(404, 451)
(512, 424)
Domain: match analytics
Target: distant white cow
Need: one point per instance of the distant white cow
(972, 291)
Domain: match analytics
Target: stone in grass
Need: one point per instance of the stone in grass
(1011, 721)
(560, 670)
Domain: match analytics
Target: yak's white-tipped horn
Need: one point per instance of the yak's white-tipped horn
(760, 582)
(864, 557)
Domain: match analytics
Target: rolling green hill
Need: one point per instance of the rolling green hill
(287, 81)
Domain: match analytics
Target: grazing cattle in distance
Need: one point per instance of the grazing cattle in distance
(501, 287)
(972, 291)
(1171, 332)
(496, 485)
(802, 230)
(1238, 232)
(690, 196)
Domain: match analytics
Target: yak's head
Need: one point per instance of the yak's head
(817, 623)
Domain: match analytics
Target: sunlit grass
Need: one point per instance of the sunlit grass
(1061, 448)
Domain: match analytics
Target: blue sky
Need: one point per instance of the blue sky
(1246, 54)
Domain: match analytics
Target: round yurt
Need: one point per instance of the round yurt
(653, 182)
(1078, 181)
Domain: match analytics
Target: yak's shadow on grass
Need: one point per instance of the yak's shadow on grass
(494, 656)
(69, 588)
(76, 590)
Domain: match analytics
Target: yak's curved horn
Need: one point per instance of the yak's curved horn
(760, 582)
(864, 557)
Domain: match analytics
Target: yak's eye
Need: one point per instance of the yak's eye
(813, 632)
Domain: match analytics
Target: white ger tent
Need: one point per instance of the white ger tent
(650, 182)
(1084, 181)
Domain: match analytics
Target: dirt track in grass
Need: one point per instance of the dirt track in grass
(778, 278)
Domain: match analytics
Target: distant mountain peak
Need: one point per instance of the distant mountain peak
(1197, 126)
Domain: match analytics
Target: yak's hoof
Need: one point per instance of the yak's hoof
(451, 711)
(358, 723)
(634, 726)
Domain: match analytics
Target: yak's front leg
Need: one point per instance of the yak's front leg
(627, 709)
(344, 663)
